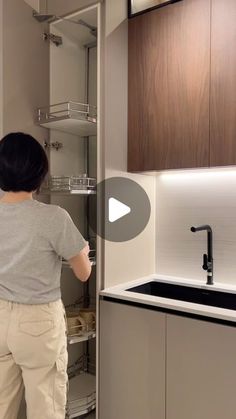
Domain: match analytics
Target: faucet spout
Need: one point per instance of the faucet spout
(207, 259)
(202, 228)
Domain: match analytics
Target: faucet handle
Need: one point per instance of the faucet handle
(205, 262)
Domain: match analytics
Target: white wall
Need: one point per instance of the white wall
(92, 91)
(62, 7)
(67, 69)
(92, 100)
(189, 198)
(67, 82)
(128, 260)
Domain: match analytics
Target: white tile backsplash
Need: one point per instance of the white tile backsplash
(190, 198)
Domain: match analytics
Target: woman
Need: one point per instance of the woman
(33, 239)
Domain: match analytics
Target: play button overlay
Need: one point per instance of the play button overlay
(117, 210)
(123, 209)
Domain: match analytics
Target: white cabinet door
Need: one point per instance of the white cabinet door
(201, 370)
(132, 363)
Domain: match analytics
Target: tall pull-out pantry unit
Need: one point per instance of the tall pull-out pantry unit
(72, 121)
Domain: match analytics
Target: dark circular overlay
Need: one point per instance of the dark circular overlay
(126, 192)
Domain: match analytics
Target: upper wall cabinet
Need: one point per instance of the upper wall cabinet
(169, 62)
(223, 83)
(182, 84)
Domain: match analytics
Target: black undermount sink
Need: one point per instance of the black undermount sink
(185, 293)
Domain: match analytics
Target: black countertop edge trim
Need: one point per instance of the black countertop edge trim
(169, 311)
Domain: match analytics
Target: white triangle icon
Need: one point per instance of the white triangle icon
(117, 210)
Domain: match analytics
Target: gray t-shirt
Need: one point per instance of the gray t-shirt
(34, 237)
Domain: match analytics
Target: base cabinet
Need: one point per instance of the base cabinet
(201, 370)
(132, 363)
(161, 366)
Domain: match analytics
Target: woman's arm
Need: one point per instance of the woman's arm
(81, 264)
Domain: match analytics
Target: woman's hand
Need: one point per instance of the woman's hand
(81, 264)
(86, 249)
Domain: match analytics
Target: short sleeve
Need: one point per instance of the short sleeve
(67, 240)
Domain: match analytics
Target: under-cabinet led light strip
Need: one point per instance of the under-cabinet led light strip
(189, 175)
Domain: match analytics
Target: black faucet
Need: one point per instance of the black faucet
(207, 259)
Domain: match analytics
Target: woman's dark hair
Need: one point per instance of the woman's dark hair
(23, 163)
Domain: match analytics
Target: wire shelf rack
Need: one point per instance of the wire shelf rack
(92, 258)
(77, 184)
(82, 387)
(72, 117)
(81, 324)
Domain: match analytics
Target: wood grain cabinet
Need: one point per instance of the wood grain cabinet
(132, 363)
(201, 370)
(182, 84)
(223, 84)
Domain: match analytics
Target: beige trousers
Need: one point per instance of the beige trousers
(33, 354)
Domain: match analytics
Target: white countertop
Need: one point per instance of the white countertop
(119, 292)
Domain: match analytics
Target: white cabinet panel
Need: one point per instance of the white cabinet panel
(132, 363)
(201, 370)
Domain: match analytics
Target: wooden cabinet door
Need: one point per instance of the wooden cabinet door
(201, 370)
(132, 363)
(169, 66)
(223, 83)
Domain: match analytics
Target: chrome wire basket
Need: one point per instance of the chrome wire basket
(82, 395)
(69, 183)
(82, 387)
(67, 110)
(92, 258)
(80, 321)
